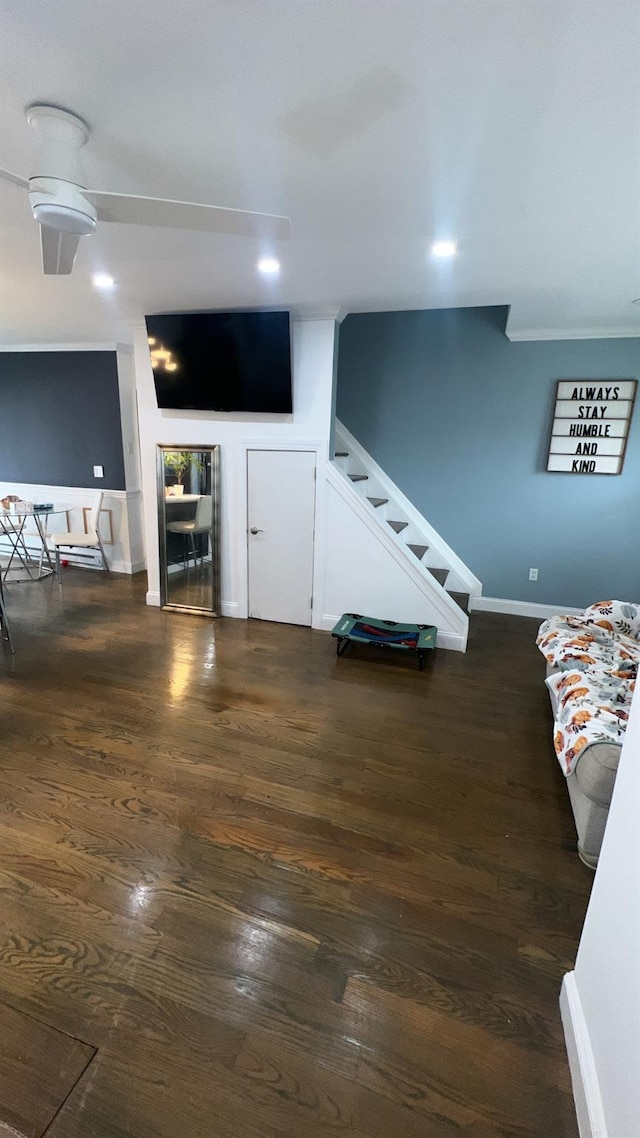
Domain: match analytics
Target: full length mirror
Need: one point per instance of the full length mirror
(188, 516)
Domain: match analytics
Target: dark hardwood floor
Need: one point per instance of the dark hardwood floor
(282, 894)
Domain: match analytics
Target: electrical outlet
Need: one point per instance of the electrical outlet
(98, 472)
(533, 574)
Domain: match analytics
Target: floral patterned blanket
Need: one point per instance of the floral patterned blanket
(597, 656)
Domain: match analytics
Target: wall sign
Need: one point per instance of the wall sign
(590, 425)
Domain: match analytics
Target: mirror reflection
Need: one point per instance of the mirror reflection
(189, 539)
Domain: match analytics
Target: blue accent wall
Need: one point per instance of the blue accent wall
(60, 418)
(460, 418)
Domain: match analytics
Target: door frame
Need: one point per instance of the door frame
(286, 450)
(321, 450)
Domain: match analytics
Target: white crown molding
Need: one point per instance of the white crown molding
(78, 347)
(520, 608)
(573, 334)
(318, 312)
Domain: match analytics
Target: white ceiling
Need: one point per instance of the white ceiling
(376, 125)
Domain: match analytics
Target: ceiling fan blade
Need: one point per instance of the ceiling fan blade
(7, 176)
(131, 209)
(58, 251)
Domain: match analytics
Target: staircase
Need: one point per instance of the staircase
(388, 506)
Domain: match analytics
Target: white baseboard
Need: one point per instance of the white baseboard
(584, 1078)
(520, 608)
(327, 622)
(129, 567)
(153, 597)
(452, 641)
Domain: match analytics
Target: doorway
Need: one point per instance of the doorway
(281, 490)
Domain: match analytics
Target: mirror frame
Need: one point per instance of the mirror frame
(165, 603)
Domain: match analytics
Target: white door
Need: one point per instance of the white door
(281, 510)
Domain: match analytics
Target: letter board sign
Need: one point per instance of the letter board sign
(590, 425)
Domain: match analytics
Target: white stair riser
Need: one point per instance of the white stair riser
(398, 508)
(390, 511)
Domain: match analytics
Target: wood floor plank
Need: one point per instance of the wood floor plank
(39, 1067)
(283, 894)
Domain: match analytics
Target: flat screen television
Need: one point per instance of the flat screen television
(221, 361)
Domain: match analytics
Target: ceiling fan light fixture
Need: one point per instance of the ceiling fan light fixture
(64, 218)
(66, 209)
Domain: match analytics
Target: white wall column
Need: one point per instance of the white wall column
(134, 536)
(309, 426)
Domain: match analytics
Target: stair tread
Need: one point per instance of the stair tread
(461, 599)
(359, 477)
(419, 550)
(397, 526)
(378, 501)
(439, 574)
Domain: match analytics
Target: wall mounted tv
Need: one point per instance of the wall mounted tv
(221, 361)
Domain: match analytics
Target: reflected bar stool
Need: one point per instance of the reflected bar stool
(202, 523)
(90, 540)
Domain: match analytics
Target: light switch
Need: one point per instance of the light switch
(98, 472)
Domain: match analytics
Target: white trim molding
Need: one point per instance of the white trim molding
(520, 608)
(468, 582)
(335, 312)
(584, 1077)
(573, 334)
(109, 347)
(451, 621)
(447, 609)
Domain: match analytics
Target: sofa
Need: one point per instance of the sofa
(592, 665)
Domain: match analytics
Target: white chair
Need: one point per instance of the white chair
(90, 540)
(200, 523)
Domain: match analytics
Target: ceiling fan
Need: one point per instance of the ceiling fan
(67, 210)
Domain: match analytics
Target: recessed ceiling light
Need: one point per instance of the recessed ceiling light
(444, 248)
(103, 280)
(269, 266)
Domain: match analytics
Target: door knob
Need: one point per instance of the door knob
(254, 530)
